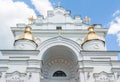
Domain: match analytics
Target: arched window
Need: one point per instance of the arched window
(59, 74)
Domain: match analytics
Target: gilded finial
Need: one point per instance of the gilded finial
(87, 19)
(31, 19)
(91, 29)
(28, 29)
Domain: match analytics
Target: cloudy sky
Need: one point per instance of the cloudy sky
(105, 12)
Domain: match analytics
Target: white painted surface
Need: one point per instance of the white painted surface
(59, 50)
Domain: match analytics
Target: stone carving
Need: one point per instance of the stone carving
(15, 77)
(104, 77)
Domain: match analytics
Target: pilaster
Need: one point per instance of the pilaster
(34, 74)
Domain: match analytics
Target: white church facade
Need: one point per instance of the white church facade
(59, 48)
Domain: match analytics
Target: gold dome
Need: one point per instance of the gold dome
(27, 34)
(91, 35)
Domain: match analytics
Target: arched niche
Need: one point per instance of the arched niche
(62, 60)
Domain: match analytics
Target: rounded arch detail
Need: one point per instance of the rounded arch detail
(72, 45)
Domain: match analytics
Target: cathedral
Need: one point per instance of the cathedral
(59, 48)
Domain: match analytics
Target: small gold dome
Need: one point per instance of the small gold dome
(91, 35)
(27, 34)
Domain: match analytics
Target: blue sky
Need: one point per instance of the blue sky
(105, 12)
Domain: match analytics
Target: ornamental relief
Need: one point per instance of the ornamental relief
(15, 77)
(104, 77)
(58, 64)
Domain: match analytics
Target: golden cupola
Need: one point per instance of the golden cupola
(92, 41)
(91, 35)
(26, 40)
(27, 34)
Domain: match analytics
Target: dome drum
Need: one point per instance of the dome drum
(26, 40)
(92, 41)
(93, 45)
(25, 44)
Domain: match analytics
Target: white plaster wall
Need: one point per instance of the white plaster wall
(94, 45)
(25, 45)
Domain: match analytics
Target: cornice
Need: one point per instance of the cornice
(99, 63)
(3, 69)
(19, 62)
(115, 69)
(86, 69)
(33, 69)
(99, 53)
(54, 31)
(19, 52)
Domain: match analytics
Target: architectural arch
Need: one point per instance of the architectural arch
(59, 57)
(72, 45)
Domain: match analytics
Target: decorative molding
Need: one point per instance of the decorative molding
(116, 71)
(103, 76)
(60, 39)
(18, 58)
(15, 77)
(100, 53)
(19, 52)
(59, 61)
(15, 73)
(33, 69)
(3, 69)
(18, 61)
(86, 69)
(101, 59)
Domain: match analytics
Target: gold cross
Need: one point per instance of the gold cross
(31, 19)
(87, 19)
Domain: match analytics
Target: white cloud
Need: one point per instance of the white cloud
(42, 6)
(118, 38)
(116, 13)
(114, 25)
(10, 14)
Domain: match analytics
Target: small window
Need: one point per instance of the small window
(59, 74)
(58, 28)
